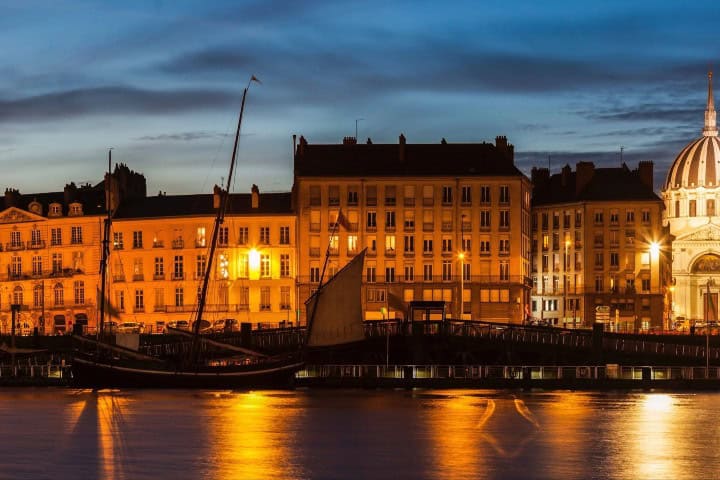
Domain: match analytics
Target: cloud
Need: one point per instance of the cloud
(182, 136)
(111, 100)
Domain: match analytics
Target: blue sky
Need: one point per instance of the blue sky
(161, 82)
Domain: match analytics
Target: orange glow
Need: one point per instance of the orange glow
(254, 263)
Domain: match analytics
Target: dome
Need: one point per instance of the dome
(698, 164)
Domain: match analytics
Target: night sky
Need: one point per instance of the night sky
(161, 82)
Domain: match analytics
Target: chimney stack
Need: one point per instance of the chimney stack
(217, 191)
(645, 172)
(584, 172)
(565, 175)
(12, 197)
(401, 151)
(255, 196)
(349, 141)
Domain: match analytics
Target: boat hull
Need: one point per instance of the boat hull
(94, 374)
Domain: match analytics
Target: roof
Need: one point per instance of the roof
(605, 184)
(407, 160)
(697, 165)
(91, 198)
(202, 205)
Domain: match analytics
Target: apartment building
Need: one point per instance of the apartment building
(437, 220)
(599, 248)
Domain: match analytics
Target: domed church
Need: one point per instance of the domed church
(691, 194)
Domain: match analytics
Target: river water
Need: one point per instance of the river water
(357, 434)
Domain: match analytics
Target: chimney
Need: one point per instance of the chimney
(584, 172)
(505, 148)
(349, 141)
(369, 142)
(401, 151)
(217, 191)
(12, 197)
(540, 178)
(70, 193)
(301, 146)
(565, 175)
(645, 172)
(255, 196)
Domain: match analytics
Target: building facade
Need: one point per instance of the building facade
(49, 257)
(425, 213)
(691, 194)
(599, 248)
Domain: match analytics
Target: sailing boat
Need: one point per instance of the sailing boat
(115, 366)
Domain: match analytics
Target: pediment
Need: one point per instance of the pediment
(16, 215)
(705, 233)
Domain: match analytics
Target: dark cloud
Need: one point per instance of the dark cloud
(649, 113)
(111, 100)
(182, 136)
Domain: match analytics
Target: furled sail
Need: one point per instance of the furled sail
(336, 309)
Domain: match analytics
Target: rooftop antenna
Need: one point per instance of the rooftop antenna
(356, 126)
(622, 148)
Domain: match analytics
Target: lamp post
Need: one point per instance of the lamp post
(707, 327)
(654, 255)
(461, 258)
(566, 262)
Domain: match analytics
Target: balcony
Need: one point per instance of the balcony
(36, 245)
(389, 252)
(138, 277)
(390, 228)
(371, 228)
(447, 226)
(139, 309)
(14, 246)
(409, 227)
(159, 276)
(371, 253)
(118, 278)
(389, 201)
(158, 244)
(200, 244)
(178, 243)
(178, 276)
(334, 202)
(466, 227)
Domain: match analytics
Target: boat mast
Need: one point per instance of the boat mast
(105, 246)
(219, 219)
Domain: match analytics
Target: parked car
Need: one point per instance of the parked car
(130, 327)
(160, 327)
(205, 326)
(219, 326)
(110, 327)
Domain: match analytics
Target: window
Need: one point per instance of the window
(35, 238)
(243, 236)
(409, 273)
(614, 217)
(598, 283)
(79, 291)
(139, 300)
(390, 219)
(265, 235)
(243, 266)
(284, 298)
(599, 260)
(504, 194)
(504, 246)
(159, 268)
(709, 208)
(285, 235)
(390, 195)
(352, 244)
(409, 219)
(223, 236)
(466, 273)
(178, 273)
(244, 300)
(427, 195)
(284, 265)
(645, 284)
(409, 244)
(15, 239)
(484, 219)
(370, 274)
(37, 265)
(447, 195)
(447, 245)
(120, 300)
(118, 241)
(466, 245)
(629, 216)
(427, 245)
(16, 267)
(137, 239)
(466, 194)
(76, 235)
(390, 244)
(409, 195)
(598, 217)
(137, 269)
(505, 219)
(314, 195)
(428, 272)
(38, 296)
(390, 274)
(372, 244)
(352, 197)
(265, 266)
(371, 220)
(333, 195)
(200, 265)
(485, 194)
(614, 259)
(504, 271)
(646, 215)
(484, 247)
(179, 297)
(58, 295)
(18, 295)
(315, 274)
(376, 295)
(371, 195)
(159, 300)
(446, 270)
(57, 263)
(55, 210)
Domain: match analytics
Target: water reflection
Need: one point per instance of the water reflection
(251, 436)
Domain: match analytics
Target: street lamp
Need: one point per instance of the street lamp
(566, 262)
(461, 258)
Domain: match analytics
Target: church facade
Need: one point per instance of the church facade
(691, 194)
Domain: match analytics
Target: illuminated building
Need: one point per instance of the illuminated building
(49, 258)
(599, 249)
(691, 194)
(424, 211)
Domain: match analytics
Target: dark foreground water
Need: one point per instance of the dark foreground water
(354, 434)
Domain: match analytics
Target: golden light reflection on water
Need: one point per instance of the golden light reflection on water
(251, 435)
(653, 437)
(111, 410)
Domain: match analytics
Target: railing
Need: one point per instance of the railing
(13, 246)
(36, 244)
(178, 243)
(178, 275)
(418, 278)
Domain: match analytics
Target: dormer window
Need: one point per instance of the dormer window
(35, 208)
(55, 210)
(75, 209)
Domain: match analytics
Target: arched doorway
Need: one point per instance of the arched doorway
(706, 270)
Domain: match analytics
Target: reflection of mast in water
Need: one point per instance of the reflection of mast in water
(491, 440)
